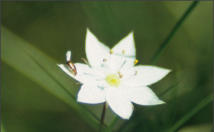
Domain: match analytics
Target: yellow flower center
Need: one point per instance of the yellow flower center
(113, 80)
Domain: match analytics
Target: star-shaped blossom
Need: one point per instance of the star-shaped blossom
(112, 76)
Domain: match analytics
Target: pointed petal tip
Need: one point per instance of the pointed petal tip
(59, 65)
(126, 118)
(62, 66)
(167, 70)
(88, 31)
(131, 32)
(158, 102)
(161, 102)
(68, 51)
(68, 55)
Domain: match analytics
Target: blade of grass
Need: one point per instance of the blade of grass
(128, 124)
(163, 45)
(170, 88)
(57, 81)
(207, 100)
(205, 127)
(2, 128)
(43, 70)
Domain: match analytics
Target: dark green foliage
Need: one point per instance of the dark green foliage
(38, 97)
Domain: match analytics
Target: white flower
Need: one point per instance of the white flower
(112, 77)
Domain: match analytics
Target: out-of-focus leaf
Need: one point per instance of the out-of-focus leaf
(190, 114)
(173, 31)
(197, 128)
(125, 126)
(57, 27)
(40, 68)
(166, 41)
(2, 128)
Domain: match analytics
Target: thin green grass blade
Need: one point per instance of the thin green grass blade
(206, 127)
(162, 94)
(113, 122)
(164, 44)
(2, 128)
(43, 70)
(207, 100)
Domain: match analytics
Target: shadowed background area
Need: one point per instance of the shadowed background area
(38, 97)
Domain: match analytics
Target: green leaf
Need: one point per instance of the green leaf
(43, 70)
(190, 114)
(2, 128)
(164, 44)
(197, 128)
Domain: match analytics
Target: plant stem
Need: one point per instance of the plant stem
(166, 41)
(207, 100)
(173, 31)
(102, 116)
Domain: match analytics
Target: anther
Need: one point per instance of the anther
(120, 75)
(135, 73)
(104, 60)
(72, 67)
(123, 51)
(111, 51)
(136, 61)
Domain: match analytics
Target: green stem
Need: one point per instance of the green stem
(190, 114)
(102, 116)
(165, 42)
(173, 31)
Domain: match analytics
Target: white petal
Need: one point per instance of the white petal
(145, 75)
(84, 73)
(118, 63)
(119, 102)
(125, 47)
(68, 55)
(91, 94)
(95, 50)
(143, 96)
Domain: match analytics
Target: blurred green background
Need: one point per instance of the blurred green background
(38, 97)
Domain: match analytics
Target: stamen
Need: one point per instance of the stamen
(120, 75)
(104, 60)
(123, 51)
(124, 62)
(111, 51)
(136, 61)
(72, 67)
